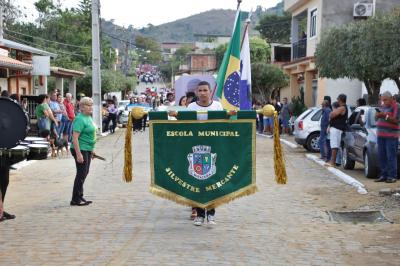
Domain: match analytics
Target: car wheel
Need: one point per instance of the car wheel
(312, 142)
(370, 167)
(346, 161)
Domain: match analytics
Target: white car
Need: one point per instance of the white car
(307, 128)
(124, 115)
(122, 104)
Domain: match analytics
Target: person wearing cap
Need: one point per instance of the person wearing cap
(388, 133)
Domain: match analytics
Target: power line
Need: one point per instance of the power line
(126, 41)
(41, 47)
(35, 37)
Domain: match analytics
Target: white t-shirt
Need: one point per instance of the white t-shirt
(214, 106)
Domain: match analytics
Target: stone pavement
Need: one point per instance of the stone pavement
(126, 225)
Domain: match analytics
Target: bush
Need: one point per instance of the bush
(297, 105)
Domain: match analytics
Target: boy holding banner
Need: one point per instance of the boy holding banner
(204, 103)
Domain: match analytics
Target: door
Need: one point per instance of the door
(360, 136)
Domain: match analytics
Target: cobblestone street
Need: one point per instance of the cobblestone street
(126, 225)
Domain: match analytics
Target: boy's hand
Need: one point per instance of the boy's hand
(173, 113)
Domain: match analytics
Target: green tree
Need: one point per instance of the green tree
(150, 49)
(275, 28)
(260, 51)
(267, 77)
(219, 53)
(11, 12)
(110, 81)
(366, 50)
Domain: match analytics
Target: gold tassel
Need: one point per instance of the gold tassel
(128, 151)
(279, 164)
(251, 189)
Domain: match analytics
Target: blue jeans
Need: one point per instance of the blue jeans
(387, 154)
(323, 149)
(328, 150)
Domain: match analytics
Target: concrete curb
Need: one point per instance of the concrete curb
(284, 141)
(342, 176)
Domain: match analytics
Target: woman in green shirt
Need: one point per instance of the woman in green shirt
(44, 114)
(83, 141)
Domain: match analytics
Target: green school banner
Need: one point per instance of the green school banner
(203, 163)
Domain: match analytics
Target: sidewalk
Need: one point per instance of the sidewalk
(126, 225)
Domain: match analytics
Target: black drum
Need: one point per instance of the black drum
(18, 154)
(13, 123)
(38, 151)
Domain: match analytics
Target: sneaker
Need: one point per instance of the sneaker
(381, 179)
(211, 219)
(391, 180)
(198, 221)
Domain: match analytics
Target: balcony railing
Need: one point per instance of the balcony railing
(299, 49)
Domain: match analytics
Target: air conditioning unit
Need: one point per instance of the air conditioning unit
(363, 10)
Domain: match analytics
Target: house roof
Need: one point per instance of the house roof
(7, 62)
(26, 48)
(58, 71)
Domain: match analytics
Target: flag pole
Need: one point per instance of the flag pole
(238, 4)
(215, 87)
(245, 31)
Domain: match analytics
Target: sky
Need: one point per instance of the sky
(140, 13)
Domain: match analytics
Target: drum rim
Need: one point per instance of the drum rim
(38, 146)
(20, 147)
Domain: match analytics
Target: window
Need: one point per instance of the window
(317, 115)
(313, 23)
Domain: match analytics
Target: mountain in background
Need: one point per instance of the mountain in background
(215, 21)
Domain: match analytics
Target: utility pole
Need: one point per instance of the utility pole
(1, 21)
(96, 74)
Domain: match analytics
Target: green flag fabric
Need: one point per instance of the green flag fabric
(198, 163)
(229, 72)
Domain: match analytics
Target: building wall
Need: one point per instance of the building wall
(352, 88)
(203, 62)
(310, 6)
(23, 82)
(285, 92)
(339, 12)
(3, 84)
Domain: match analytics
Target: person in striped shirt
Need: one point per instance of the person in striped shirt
(388, 133)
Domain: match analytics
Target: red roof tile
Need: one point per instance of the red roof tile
(7, 62)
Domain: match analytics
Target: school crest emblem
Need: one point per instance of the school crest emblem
(202, 162)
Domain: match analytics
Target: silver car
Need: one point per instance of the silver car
(307, 128)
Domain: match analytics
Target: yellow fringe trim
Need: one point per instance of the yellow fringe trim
(128, 151)
(279, 164)
(251, 189)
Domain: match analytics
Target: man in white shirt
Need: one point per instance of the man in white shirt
(204, 103)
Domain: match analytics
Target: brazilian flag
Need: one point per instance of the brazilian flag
(228, 78)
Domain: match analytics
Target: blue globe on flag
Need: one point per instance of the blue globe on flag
(231, 89)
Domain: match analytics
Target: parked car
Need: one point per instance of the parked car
(307, 128)
(360, 142)
(124, 115)
(122, 104)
